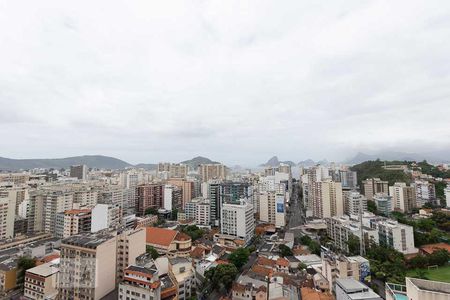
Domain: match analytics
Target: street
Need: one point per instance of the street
(296, 217)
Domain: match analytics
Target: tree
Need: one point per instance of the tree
(24, 263)
(421, 274)
(386, 264)
(353, 244)
(174, 214)
(371, 206)
(221, 277)
(151, 211)
(305, 240)
(152, 251)
(193, 231)
(426, 224)
(439, 258)
(239, 257)
(285, 251)
(314, 247)
(302, 266)
(419, 261)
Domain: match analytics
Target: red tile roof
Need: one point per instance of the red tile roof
(264, 261)
(282, 262)
(160, 236)
(311, 294)
(430, 248)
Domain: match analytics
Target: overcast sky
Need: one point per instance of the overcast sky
(236, 81)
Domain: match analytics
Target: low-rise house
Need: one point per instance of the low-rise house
(248, 291)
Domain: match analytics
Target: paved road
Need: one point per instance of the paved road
(296, 218)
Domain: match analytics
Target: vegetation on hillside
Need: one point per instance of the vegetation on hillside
(374, 169)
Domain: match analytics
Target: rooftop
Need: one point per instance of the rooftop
(45, 270)
(160, 236)
(92, 240)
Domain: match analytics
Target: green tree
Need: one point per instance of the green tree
(314, 247)
(302, 266)
(421, 274)
(419, 261)
(174, 214)
(285, 251)
(239, 257)
(426, 224)
(353, 244)
(371, 206)
(221, 277)
(24, 263)
(387, 264)
(193, 231)
(439, 258)
(151, 211)
(152, 251)
(305, 240)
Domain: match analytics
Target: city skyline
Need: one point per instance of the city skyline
(150, 81)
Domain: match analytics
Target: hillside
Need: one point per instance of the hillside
(374, 168)
(92, 161)
(274, 162)
(199, 160)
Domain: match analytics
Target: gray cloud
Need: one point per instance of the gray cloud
(237, 81)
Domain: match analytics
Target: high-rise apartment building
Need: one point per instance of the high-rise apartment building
(212, 171)
(7, 214)
(374, 186)
(79, 172)
(203, 213)
(327, 199)
(237, 220)
(384, 203)
(106, 216)
(187, 188)
(348, 179)
(74, 221)
(173, 197)
(403, 197)
(149, 196)
(272, 208)
(425, 192)
(173, 170)
(87, 265)
(353, 200)
(213, 187)
(130, 245)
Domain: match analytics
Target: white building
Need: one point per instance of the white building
(351, 289)
(403, 197)
(447, 195)
(203, 216)
(384, 203)
(272, 208)
(353, 201)
(238, 220)
(425, 192)
(105, 216)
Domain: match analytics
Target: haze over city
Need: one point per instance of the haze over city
(238, 82)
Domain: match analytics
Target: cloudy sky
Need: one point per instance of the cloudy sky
(237, 81)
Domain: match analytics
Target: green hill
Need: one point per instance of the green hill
(374, 169)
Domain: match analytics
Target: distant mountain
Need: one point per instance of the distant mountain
(92, 161)
(434, 157)
(199, 160)
(149, 167)
(274, 162)
(307, 163)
